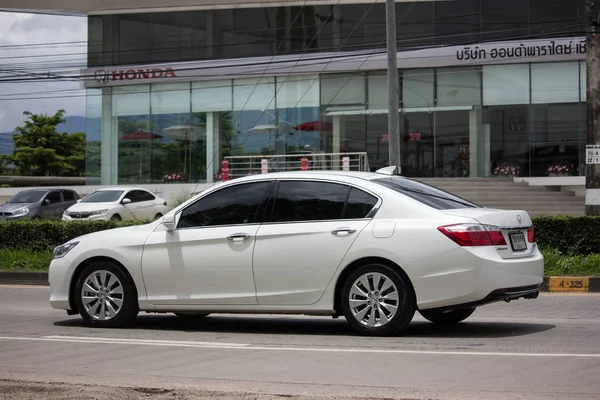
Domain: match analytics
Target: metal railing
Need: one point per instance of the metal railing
(250, 165)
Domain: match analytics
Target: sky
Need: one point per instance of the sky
(18, 32)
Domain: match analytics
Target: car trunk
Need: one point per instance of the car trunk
(514, 225)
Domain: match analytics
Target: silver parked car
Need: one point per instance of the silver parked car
(38, 203)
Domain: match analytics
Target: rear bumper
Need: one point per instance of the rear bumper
(507, 295)
(477, 276)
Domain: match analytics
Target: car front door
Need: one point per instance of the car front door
(52, 205)
(131, 211)
(312, 227)
(207, 259)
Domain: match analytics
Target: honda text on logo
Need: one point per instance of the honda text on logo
(103, 76)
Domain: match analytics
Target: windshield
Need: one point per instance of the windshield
(30, 196)
(429, 195)
(103, 196)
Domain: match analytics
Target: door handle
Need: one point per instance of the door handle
(238, 237)
(343, 231)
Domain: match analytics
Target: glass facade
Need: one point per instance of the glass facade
(474, 121)
(251, 32)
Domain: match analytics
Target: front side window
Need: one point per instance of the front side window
(234, 205)
(54, 197)
(429, 195)
(68, 195)
(309, 201)
(103, 196)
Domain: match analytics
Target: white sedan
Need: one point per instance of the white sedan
(117, 203)
(373, 247)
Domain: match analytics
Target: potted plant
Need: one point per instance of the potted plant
(507, 169)
(560, 168)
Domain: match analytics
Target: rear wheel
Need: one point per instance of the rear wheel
(377, 301)
(157, 216)
(106, 296)
(115, 217)
(447, 317)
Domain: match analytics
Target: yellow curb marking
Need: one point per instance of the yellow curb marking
(568, 284)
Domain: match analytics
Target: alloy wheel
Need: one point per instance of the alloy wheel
(102, 295)
(374, 299)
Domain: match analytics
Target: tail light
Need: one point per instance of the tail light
(474, 234)
(165, 204)
(530, 235)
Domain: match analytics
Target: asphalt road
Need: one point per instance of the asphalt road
(547, 348)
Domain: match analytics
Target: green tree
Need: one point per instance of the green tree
(2, 164)
(42, 151)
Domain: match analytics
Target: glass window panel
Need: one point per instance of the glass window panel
(552, 18)
(298, 91)
(416, 23)
(582, 81)
(506, 84)
(502, 19)
(212, 96)
(554, 83)
(343, 89)
(458, 87)
(457, 21)
(417, 88)
(378, 91)
(131, 100)
(253, 94)
(168, 98)
(359, 204)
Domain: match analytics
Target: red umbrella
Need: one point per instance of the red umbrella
(314, 126)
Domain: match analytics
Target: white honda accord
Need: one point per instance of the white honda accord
(373, 247)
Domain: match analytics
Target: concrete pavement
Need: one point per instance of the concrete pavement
(531, 349)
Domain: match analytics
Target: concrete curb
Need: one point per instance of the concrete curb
(564, 284)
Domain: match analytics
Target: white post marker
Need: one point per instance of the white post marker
(346, 163)
(592, 157)
(264, 166)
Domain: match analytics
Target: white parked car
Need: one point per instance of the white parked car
(117, 203)
(373, 247)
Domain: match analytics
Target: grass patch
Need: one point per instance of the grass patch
(24, 260)
(556, 263)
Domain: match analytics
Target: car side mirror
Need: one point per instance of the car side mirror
(46, 201)
(126, 201)
(79, 200)
(169, 222)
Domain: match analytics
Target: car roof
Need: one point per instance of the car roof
(42, 189)
(124, 188)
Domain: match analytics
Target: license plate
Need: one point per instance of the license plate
(517, 241)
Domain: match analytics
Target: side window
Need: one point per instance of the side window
(359, 204)
(309, 201)
(234, 205)
(68, 195)
(54, 197)
(144, 196)
(131, 195)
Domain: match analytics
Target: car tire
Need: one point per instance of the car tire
(191, 315)
(377, 317)
(115, 292)
(447, 317)
(116, 218)
(157, 216)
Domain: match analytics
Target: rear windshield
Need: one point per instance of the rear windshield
(428, 195)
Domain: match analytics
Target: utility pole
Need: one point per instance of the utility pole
(392, 78)
(592, 173)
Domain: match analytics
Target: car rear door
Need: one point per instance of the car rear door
(311, 228)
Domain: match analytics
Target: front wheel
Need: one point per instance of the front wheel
(377, 301)
(106, 296)
(447, 317)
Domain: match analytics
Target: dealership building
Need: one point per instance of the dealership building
(485, 85)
